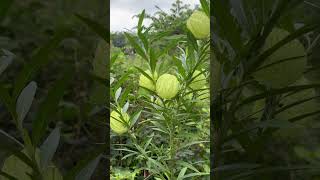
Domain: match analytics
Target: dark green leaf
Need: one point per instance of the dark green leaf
(96, 27)
(49, 105)
(5, 60)
(86, 165)
(49, 147)
(6, 100)
(24, 101)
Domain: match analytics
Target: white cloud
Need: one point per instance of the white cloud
(122, 11)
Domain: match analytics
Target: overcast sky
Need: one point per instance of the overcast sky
(121, 11)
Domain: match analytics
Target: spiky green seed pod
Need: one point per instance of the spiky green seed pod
(146, 82)
(117, 123)
(292, 61)
(199, 24)
(167, 86)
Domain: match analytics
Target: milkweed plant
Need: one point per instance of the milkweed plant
(159, 116)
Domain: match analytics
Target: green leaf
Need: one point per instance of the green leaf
(238, 166)
(49, 147)
(5, 60)
(24, 101)
(49, 106)
(96, 27)
(8, 139)
(182, 173)
(134, 118)
(100, 61)
(273, 123)
(86, 172)
(16, 151)
(190, 166)
(276, 92)
(39, 59)
(144, 73)
(153, 60)
(227, 23)
(8, 176)
(122, 80)
(117, 94)
(86, 166)
(141, 17)
(136, 46)
(6, 100)
(205, 7)
(195, 175)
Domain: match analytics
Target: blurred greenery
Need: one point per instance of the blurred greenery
(261, 129)
(77, 57)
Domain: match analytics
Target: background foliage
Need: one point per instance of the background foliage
(55, 45)
(260, 131)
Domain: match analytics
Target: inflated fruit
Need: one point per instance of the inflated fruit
(199, 24)
(293, 62)
(198, 80)
(146, 82)
(167, 86)
(117, 123)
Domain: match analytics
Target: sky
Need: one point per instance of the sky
(121, 11)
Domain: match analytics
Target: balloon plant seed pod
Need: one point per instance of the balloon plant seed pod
(117, 123)
(286, 65)
(167, 86)
(199, 24)
(199, 80)
(146, 82)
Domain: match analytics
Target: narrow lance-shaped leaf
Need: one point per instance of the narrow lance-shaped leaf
(49, 147)
(6, 100)
(8, 176)
(141, 17)
(5, 60)
(182, 173)
(276, 92)
(136, 46)
(86, 166)
(117, 94)
(225, 20)
(205, 7)
(135, 118)
(24, 101)
(86, 173)
(8, 139)
(96, 27)
(49, 105)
